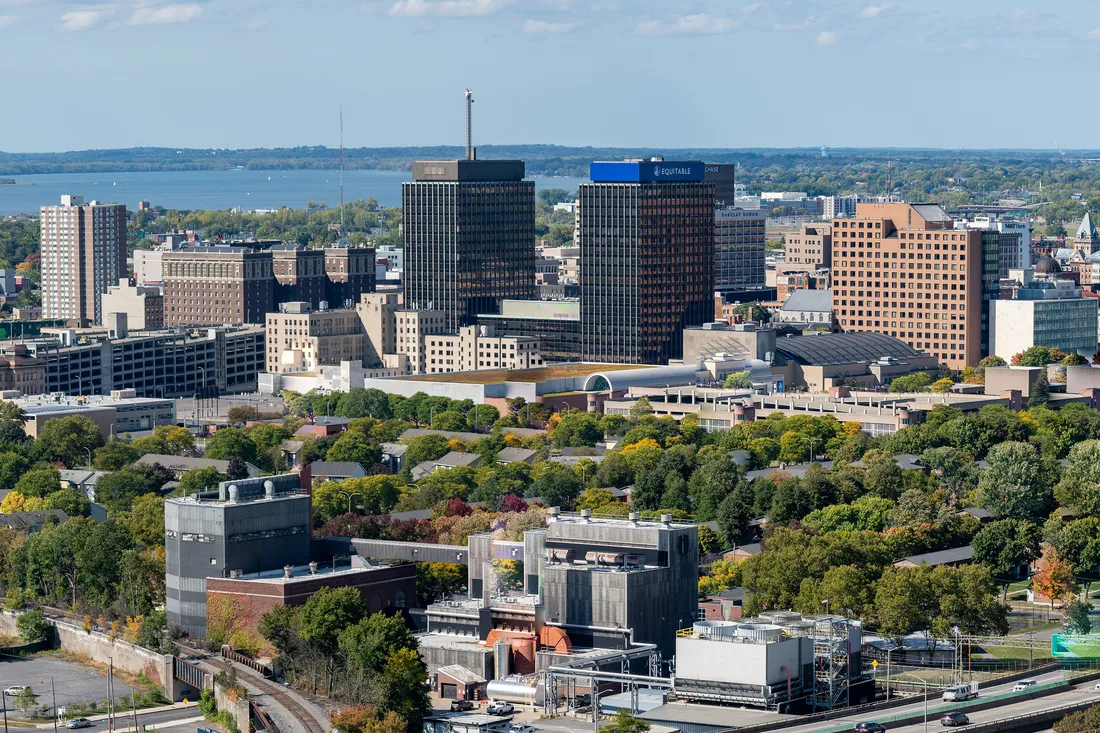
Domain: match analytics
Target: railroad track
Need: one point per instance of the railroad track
(279, 695)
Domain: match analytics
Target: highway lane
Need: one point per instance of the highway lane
(161, 720)
(1086, 691)
(917, 706)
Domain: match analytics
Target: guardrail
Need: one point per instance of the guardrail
(1039, 716)
(980, 703)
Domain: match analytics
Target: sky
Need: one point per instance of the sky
(677, 73)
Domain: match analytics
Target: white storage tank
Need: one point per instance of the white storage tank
(759, 632)
(714, 629)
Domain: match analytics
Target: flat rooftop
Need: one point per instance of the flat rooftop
(539, 374)
(719, 715)
(299, 573)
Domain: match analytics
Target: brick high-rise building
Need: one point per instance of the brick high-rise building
(647, 254)
(350, 273)
(299, 274)
(83, 251)
(902, 270)
(469, 237)
(217, 286)
(810, 248)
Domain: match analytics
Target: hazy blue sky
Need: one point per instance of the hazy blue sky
(723, 73)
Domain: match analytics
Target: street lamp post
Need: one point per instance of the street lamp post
(431, 416)
(812, 442)
(349, 498)
(89, 451)
(925, 683)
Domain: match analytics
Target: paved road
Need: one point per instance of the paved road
(918, 707)
(1080, 693)
(163, 721)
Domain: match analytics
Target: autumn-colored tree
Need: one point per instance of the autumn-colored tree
(366, 719)
(1055, 579)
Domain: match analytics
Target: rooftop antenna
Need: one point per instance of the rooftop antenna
(469, 123)
(888, 189)
(341, 170)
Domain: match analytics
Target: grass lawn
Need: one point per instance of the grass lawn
(1008, 652)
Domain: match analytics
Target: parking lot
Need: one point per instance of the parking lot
(72, 682)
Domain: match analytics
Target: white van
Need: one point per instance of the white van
(959, 693)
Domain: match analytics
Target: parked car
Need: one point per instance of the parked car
(869, 727)
(458, 706)
(522, 729)
(583, 699)
(959, 693)
(78, 723)
(16, 689)
(953, 719)
(1024, 685)
(500, 708)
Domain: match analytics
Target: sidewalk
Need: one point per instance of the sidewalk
(124, 715)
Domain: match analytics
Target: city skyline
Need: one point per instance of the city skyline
(217, 57)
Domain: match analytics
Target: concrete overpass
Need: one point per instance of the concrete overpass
(390, 550)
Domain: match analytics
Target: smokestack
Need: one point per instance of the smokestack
(469, 124)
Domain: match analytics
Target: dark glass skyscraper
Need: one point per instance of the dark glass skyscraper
(469, 236)
(647, 259)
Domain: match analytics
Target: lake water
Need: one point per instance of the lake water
(247, 189)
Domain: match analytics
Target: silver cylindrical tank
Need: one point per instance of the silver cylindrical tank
(799, 628)
(759, 632)
(521, 691)
(502, 653)
(780, 617)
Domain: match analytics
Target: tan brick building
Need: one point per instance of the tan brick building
(902, 270)
(143, 305)
(301, 339)
(83, 251)
(810, 248)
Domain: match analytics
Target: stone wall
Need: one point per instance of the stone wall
(237, 707)
(98, 647)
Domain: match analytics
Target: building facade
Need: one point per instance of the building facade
(1046, 311)
(300, 339)
(810, 248)
(154, 364)
(143, 305)
(216, 286)
(724, 178)
(468, 232)
(556, 324)
(647, 248)
(739, 242)
(83, 252)
(903, 270)
(248, 525)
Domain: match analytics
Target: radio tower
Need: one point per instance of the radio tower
(341, 171)
(469, 123)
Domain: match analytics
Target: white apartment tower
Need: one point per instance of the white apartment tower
(83, 251)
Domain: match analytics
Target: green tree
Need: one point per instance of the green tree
(117, 491)
(12, 422)
(12, 466)
(576, 428)
(1003, 546)
(624, 722)
(145, 520)
(438, 580)
(326, 614)
(230, 443)
(33, 626)
(426, 448)
(70, 501)
(68, 440)
(1017, 484)
(1033, 356)
(114, 455)
(39, 482)
(1076, 614)
(557, 485)
(918, 382)
(200, 479)
(355, 447)
(739, 380)
(1040, 390)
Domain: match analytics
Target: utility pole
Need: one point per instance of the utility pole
(53, 694)
(4, 704)
(133, 701)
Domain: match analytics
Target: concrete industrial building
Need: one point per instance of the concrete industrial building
(739, 243)
(298, 338)
(647, 248)
(142, 304)
(468, 229)
(903, 270)
(121, 412)
(83, 252)
(837, 207)
(1046, 311)
(170, 363)
(247, 525)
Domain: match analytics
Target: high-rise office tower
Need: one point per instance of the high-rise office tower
(469, 236)
(724, 178)
(83, 250)
(740, 237)
(903, 270)
(647, 259)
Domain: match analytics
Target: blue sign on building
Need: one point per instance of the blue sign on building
(648, 171)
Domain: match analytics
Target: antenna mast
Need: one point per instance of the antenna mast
(888, 189)
(341, 170)
(469, 124)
